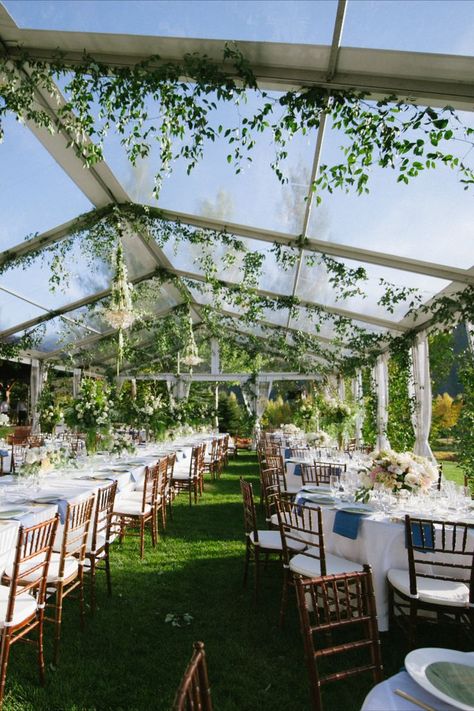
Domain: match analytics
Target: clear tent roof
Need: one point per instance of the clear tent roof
(415, 236)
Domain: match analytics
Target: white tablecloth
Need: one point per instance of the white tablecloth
(383, 698)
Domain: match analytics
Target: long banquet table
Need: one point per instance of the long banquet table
(380, 542)
(70, 485)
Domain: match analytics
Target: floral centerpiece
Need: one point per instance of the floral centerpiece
(37, 459)
(119, 443)
(91, 410)
(4, 420)
(290, 429)
(319, 438)
(337, 414)
(397, 471)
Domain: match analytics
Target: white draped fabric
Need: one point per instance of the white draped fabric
(422, 395)
(358, 396)
(380, 375)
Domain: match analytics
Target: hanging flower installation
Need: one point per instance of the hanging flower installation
(120, 314)
(191, 353)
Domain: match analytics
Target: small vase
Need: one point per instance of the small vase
(91, 441)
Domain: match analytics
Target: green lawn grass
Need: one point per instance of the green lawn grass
(453, 471)
(129, 658)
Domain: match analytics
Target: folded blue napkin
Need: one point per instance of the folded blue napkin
(297, 470)
(4, 452)
(417, 536)
(347, 524)
(287, 453)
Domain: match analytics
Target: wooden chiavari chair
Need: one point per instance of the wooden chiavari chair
(342, 604)
(278, 463)
(161, 489)
(139, 510)
(440, 575)
(211, 460)
(303, 524)
(100, 538)
(323, 471)
(257, 541)
(272, 492)
(221, 457)
(190, 480)
(170, 490)
(300, 453)
(194, 693)
(66, 569)
(18, 453)
(22, 601)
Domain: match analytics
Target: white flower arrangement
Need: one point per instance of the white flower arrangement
(120, 443)
(290, 429)
(319, 438)
(399, 470)
(4, 420)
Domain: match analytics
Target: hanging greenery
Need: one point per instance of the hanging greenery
(400, 405)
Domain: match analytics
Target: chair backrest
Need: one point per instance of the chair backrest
(325, 470)
(301, 524)
(271, 489)
(440, 549)
(171, 463)
(440, 477)
(102, 519)
(196, 465)
(300, 453)
(275, 461)
(345, 603)
(162, 481)
(76, 531)
(194, 693)
(250, 515)
(149, 486)
(31, 563)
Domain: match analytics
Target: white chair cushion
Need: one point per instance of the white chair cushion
(71, 567)
(25, 606)
(125, 507)
(439, 592)
(274, 520)
(310, 568)
(181, 476)
(293, 488)
(272, 540)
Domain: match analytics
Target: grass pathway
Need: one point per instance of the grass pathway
(130, 658)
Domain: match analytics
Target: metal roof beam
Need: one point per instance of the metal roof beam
(435, 79)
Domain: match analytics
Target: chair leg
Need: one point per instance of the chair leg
(40, 648)
(412, 624)
(391, 609)
(257, 571)
(57, 623)
(107, 572)
(92, 561)
(284, 596)
(142, 537)
(247, 562)
(5, 653)
(82, 608)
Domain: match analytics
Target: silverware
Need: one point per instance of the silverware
(411, 698)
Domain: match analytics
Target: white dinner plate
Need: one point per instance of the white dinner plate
(322, 488)
(418, 661)
(356, 508)
(13, 511)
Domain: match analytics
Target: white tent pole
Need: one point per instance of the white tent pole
(358, 395)
(422, 391)
(380, 374)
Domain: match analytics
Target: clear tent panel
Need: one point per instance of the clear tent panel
(229, 263)
(284, 21)
(15, 310)
(411, 25)
(56, 334)
(254, 196)
(36, 194)
(429, 219)
(314, 285)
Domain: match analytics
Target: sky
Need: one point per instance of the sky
(430, 219)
